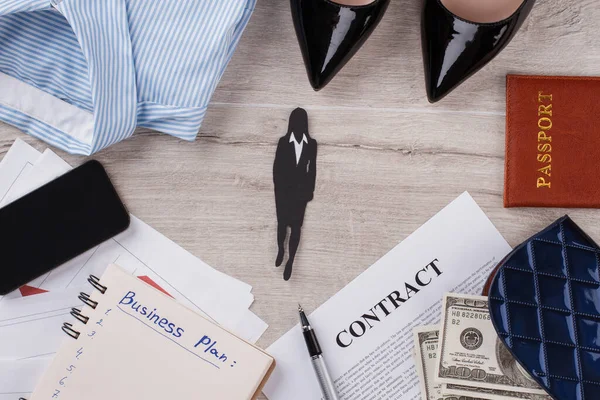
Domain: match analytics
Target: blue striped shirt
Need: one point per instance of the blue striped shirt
(82, 74)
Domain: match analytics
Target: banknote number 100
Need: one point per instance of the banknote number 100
(466, 373)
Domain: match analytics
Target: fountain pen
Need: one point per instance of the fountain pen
(316, 358)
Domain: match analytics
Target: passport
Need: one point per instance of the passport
(552, 142)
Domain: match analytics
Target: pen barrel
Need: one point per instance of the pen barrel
(312, 344)
(325, 381)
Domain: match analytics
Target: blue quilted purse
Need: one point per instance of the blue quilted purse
(545, 306)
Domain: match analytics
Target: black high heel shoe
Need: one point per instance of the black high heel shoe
(330, 34)
(455, 48)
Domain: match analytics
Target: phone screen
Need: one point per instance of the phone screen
(56, 223)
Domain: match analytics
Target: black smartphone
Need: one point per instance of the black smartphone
(56, 223)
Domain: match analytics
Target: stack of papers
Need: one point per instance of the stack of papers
(31, 317)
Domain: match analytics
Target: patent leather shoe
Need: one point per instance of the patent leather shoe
(330, 34)
(455, 48)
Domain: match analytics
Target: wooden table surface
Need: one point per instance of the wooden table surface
(388, 160)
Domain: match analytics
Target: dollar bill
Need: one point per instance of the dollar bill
(490, 394)
(426, 346)
(471, 353)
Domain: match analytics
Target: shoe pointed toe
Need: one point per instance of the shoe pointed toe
(330, 34)
(319, 79)
(435, 94)
(454, 49)
(445, 68)
(437, 88)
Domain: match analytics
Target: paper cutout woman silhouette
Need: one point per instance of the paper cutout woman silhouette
(294, 176)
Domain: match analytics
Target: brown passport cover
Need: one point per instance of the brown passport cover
(552, 142)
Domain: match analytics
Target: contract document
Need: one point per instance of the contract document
(365, 330)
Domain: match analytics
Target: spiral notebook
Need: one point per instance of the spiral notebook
(131, 341)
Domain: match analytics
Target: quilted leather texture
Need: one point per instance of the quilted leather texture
(545, 306)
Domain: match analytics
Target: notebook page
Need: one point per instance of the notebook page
(141, 344)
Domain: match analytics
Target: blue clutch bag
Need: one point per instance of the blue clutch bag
(545, 305)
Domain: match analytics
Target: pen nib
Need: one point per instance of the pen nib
(303, 319)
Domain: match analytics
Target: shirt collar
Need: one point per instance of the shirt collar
(293, 138)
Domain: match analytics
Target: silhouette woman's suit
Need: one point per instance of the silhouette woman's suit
(294, 175)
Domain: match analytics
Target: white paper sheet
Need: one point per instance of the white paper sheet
(19, 378)
(377, 363)
(24, 307)
(19, 160)
(31, 326)
(36, 175)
